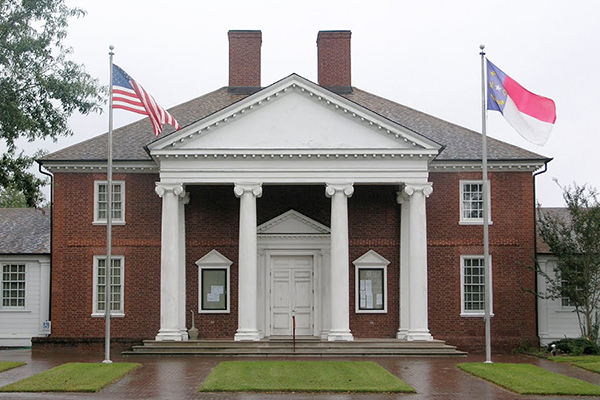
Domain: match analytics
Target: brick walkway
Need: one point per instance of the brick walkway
(178, 377)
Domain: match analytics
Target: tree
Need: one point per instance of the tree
(39, 86)
(574, 240)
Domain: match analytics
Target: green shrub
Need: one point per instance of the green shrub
(575, 347)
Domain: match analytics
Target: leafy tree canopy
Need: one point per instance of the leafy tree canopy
(39, 86)
(574, 239)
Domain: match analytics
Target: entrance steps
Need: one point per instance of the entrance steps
(304, 347)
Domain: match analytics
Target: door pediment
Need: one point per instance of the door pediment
(292, 223)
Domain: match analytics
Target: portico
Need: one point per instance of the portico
(265, 140)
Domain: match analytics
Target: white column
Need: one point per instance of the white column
(170, 262)
(418, 319)
(340, 263)
(247, 265)
(402, 199)
(183, 201)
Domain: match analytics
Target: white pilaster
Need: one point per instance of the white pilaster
(402, 199)
(339, 279)
(170, 262)
(183, 201)
(325, 293)
(542, 303)
(44, 295)
(418, 319)
(247, 265)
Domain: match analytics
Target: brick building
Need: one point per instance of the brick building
(358, 215)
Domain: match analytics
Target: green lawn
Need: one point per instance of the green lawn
(6, 365)
(574, 359)
(529, 379)
(590, 366)
(302, 376)
(72, 377)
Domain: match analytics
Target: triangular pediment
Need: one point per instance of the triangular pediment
(293, 114)
(371, 257)
(214, 258)
(292, 223)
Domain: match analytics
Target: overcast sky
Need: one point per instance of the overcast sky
(423, 54)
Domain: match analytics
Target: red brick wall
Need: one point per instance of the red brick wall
(76, 241)
(512, 252)
(212, 223)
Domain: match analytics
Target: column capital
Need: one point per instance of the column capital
(255, 188)
(346, 188)
(176, 188)
(185, 199)
(425, 188)
(401, 196)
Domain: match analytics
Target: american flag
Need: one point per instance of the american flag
(131, 96)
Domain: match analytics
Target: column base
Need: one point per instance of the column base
(184, 334)
(169, 335)
(324, 334)
(340, 336)
(402, 334)
(246, 335)
(419, 335)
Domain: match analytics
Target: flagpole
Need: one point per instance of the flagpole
(486, 218)
(108, 262)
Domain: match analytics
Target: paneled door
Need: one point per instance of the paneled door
(291, 293)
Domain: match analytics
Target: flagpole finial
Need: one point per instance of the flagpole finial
(482, 46)
(111, 48)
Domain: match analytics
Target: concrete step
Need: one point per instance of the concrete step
(307, 346)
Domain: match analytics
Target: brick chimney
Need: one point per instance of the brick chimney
(244, 61)
(334, 60)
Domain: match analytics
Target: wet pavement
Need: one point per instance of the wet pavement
(178, 377)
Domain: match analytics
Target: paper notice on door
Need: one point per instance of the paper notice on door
(212, 297)
(217, 289)
(369, 300)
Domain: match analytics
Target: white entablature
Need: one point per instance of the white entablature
(294, 131)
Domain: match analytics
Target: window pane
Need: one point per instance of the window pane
(473, 284)
(116, 303)
(13, 285)
(214, 284)
(371, 290)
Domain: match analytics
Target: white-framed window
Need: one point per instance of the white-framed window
(471, 202)
(370, 271)
(117, 277)
(472, 286)
(101, 202)
(213, 283)
(566, 303)
(13, 285)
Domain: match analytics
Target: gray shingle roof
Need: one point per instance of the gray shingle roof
(461, 144)
(24, 231)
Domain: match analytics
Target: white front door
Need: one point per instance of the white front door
(291, 294)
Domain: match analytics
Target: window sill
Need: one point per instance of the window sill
(112, 223)
(476, 315)
(14, 310)
(475, 222)
(371, 311)
(214, 312)
(113, 315)
(565, 310)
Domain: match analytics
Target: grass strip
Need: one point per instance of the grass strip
(574, 359)
(303, 376)
(6, 365)
(529, 379)
(590, 366)
(72, 377)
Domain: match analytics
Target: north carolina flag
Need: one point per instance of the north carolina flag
(531, 115)
(131, 96)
